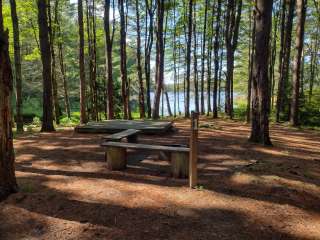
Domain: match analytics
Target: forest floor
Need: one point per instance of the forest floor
(247, 191)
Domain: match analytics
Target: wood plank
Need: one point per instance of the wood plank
(115, 126)
(123, 134)
(145, 146)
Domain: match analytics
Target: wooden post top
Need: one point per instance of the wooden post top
(194, 120)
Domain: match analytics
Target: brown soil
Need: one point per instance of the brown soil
(246, 191)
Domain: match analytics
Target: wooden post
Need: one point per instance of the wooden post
(193, 157)
(180, 164)
(116, 158)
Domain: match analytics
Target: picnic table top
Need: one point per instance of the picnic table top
(114, 126)
(123, 134)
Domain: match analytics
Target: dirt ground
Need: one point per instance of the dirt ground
(246, 191)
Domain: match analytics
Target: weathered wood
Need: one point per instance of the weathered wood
(130, 134)
(193, 171)
(133, 138)
(116, 158)
(145, 147)
(115, 126)
(180, 164)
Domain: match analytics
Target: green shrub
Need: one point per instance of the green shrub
(310, 114)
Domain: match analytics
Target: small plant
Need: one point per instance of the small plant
(199, 188)
(27, 188)
(36, 122)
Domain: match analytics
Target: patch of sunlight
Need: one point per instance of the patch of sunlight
(274, 181)
(273, 151)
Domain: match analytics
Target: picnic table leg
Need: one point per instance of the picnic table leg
(180, 164)
(133, 138)
(116, 158)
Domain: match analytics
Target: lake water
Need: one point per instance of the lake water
(181, 101)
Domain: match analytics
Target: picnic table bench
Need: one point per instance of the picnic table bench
(116, 155)
(130, 134)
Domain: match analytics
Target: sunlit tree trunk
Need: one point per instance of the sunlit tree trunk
(148, 49)
(203, 49)
(17, 65)
(195, 60)
(251, 56)
(159, 59)
(139, 65)
(52, 34)
(216, 60)
(109, 69)
(285, 52)
(188, 59)
(123, 56)
(233, 17)
(62, 65)
(301, 17)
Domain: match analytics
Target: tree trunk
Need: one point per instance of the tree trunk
(174, 61)
(188, 60)
(195, 61)
(8, 182)
(285, 57)
(204, 39)
(260, 81)
(62, 67)
(83, 114)
(17, 65)
(216, 60)
(139, 66)
(231, 35)
(301, 17)
(251, 56)
(148, 48)
(159, 59)
(274, 55)
(209, 62)
(91, 38)
(47, 117)
(56, 106)
(109, 75)
(123, 56)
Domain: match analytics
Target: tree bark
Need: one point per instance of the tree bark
(251, 56)
(8, 182)
(56, 107)
(62, 66)
(83, 114)
(109, 44)
(17, 65)
(188, 59)
(148, 48)
(159, 59)
(233, 18)
(123, 56)
(47, 117)
(287, 22)
(216, 60)
(195, 60)
(204, 39)
(301, 17)
(139, 65)
(260, 81)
